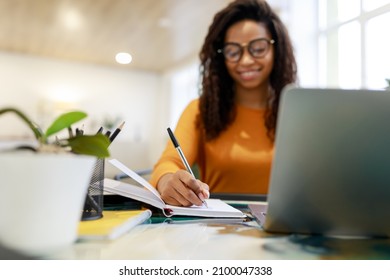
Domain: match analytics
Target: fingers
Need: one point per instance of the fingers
(182, 193)
(173, 191)
(182, 189)
(204, 190)
(200, 189)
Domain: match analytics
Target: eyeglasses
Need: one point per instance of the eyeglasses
(257, 48)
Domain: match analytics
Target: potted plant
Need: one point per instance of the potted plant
(44, 186)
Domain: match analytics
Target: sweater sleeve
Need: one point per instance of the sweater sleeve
(188, 137)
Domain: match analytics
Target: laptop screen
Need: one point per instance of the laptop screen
(330, 172)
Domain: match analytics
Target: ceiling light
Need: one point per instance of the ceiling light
(71, 19)
(123, 58)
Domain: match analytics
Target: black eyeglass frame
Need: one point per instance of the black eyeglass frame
(248, 46)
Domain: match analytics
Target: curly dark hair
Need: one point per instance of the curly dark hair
(216, 104)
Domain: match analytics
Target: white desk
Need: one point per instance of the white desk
(188, 241)
(212, 241)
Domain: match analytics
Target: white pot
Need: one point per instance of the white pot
(41, 200)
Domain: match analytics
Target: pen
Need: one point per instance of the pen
(81, 131)
(116, 132)
(183, 158)
(100, 130)
(70, 131)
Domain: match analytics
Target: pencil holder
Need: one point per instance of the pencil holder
(93, 205)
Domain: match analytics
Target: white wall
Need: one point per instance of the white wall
(179, 87)
(43, 88)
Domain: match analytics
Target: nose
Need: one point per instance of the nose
(246, 57)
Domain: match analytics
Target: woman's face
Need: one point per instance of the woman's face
(251, 70)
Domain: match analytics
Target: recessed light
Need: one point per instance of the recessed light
(71, 19)
(123, 58)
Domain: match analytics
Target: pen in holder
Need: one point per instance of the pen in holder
(93, 206)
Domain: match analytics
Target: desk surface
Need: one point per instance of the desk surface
(222, 241)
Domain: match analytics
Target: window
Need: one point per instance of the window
(354, 46)
(377, 51)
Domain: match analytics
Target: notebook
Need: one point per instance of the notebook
(331, 169)
(146, 193)
(112, 225)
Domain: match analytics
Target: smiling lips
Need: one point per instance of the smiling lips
(249, 74)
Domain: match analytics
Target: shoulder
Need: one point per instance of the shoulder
(190, 112)
(192, 108)
(193, 105)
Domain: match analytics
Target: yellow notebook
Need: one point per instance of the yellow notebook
(113, 224)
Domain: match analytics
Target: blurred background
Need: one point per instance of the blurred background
(60, 55)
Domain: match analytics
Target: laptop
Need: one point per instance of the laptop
(331, 169)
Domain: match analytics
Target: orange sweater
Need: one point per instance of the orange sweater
(238, 161)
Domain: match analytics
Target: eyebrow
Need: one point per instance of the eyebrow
(232, 42)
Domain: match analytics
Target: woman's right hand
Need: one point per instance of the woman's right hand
(182, 189)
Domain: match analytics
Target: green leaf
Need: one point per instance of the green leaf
(64, 121)
(33, 126)
(95, 145)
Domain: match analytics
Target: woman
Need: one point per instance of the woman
(246, 60)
